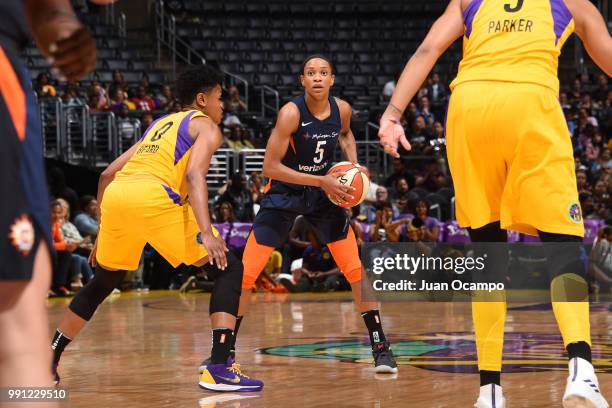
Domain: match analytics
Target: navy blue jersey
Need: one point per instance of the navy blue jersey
(312, 146)
(14, 32)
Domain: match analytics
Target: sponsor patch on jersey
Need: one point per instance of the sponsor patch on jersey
(574, 213)
(21, 235)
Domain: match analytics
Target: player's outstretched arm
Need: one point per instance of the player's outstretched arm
(208, 138)
(442, 34)
(592, 30)
(278, 143)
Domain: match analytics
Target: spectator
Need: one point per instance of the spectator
(118, 83)
(297, 242)
(143, 100)
(79, 266)
(319, 271)
(93, 102)
(126, 128)
(70, 97)
(601, 199)
(431, 225)
(234, 102)
(586, 205)
(594, 146)
(245, 139)
(226, 213)
(424, 111)
(62, 263)
(44, 87)
(400, 195)
(398, 171)
(239, 196)
(603, 162)
(384, 215)
(354, 217)
(165, 97)
(174, 107)
(437, 91)
(369, 210)
(389, 87)
(87, 221)
(420, 134)
(146, 120)
(411, 114)
(239, 139)
(59, 189)
(575, 92)
(257, 187)
(96, 88)
(582, 181)
(600, 265)
(119, 100)
(600, 94)
(267, 280)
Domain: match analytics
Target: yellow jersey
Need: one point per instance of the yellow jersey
(514, 41)
(163, 154)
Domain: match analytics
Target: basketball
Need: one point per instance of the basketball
(356, 177)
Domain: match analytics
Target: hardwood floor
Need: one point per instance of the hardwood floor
(143, 350)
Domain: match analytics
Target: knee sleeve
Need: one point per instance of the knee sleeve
(490, 242)
(227, 288)
(488, 233)
(565, 254)
(254, 258)
(87, 299)
(566, 262)
(346, 256)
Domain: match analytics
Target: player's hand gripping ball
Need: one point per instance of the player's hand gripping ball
(355, 176)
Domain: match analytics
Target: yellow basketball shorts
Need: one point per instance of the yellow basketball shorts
(511, 158)
(138, 212)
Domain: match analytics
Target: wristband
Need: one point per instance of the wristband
(392, 119)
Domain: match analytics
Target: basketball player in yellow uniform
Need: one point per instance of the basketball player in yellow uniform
(143, 199)
(510, 153)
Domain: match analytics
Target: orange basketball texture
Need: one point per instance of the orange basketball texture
(356, 177)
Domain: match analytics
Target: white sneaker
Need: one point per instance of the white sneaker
(582, 390)
(491, 396)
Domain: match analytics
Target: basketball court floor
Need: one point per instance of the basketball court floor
(143, 350)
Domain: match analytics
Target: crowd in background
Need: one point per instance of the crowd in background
(407, 205)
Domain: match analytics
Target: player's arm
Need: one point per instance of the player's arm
(347, 139)
(61, 37)
(442, 34)
(208, 138)
(278, 143)
(592, 30)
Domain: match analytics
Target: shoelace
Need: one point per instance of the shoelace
(235, 368)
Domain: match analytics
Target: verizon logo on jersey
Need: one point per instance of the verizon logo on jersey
(313, 168)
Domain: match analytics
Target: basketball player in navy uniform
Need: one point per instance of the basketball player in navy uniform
(298, 155)
(25, 226)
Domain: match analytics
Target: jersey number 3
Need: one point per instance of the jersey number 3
(319, 151)
(514, 9)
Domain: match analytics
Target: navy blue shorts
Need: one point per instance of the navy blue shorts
(24, 206)
(279, 209)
